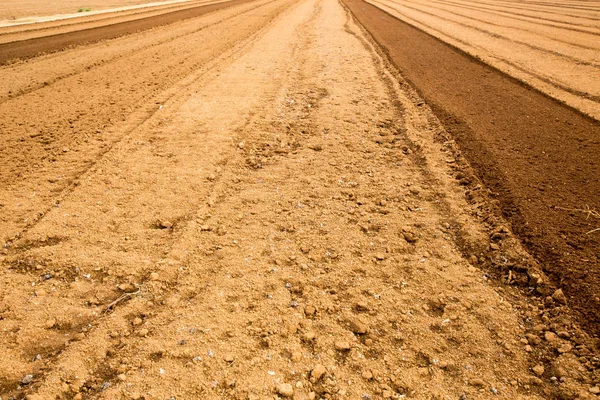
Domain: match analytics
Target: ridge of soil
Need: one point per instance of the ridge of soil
(538, 157)
(32, 47)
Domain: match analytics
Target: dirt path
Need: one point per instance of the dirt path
(265, 214)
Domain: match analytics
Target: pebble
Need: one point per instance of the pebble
(228, 358)
(27, 379)
(477, 382)
(550, 336)
(285, 390)
(50, 323)
(358, 327)
(310, 310)
(166, 224)
(154, 276)
(559, 297)
(538, 370)
(143, 332)
(137, 321)
(317, 373)
(342, 345)
(409, 235)
(595, 390)
(565, 348)
(309, 336)
(533, 339)
(367, 375)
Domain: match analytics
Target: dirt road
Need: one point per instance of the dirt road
(252, 204)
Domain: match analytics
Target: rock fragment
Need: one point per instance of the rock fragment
(317, 373)
(357, 326)
(559, 297)
(341, 345)
(285, 390)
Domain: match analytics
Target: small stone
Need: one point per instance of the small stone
(380, 256)
(528, 348)
(595, 390)
(241, 145)
(165, 224)
(409, 235)
(367, 375)
(342, 345)
(285, 390)
(154, 276)
(535, 381)
(550, 336)
(296, 356)
(533, 339)
(559, 297)
(27, 379)
(310, 310)
(477, 382)
(358, 327)
(50, 323)
(317, 373)
(228, 358)
(538, 370)
(137, 321)
(565, 348)
(143, 332)
(309, 336)
(362, 306)
(125, 287)
(563, 334)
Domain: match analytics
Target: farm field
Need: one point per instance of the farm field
(553, 46)
(262, 199)
(11, 10)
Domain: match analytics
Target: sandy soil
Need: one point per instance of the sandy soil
(552, 46)
(18, 9)
(253, 204)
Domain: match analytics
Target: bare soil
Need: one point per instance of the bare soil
(553, 46)
(13, 9)
(538, 157)
(254, 204)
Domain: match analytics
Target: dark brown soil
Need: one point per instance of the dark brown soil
(538, 157)
(30, 48)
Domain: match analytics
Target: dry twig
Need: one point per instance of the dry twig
(120, 299)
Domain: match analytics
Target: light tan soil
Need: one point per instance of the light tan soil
(554, 47)
(16, 9)
(251, 205)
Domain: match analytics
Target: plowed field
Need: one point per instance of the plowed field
(247, 200)
(553, 46)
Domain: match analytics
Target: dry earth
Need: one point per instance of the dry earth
(253, 204)
(11, 10)
(553, 46)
